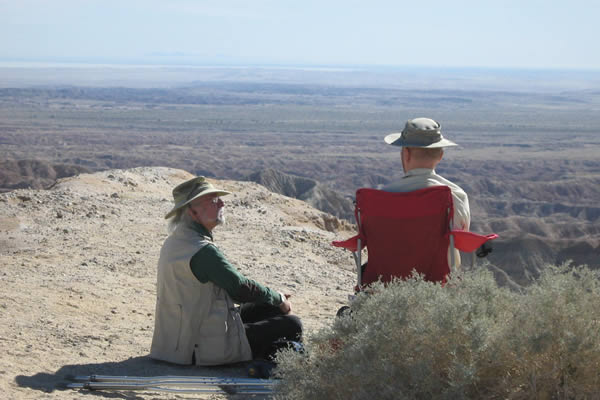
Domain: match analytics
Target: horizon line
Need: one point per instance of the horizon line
(112, 62)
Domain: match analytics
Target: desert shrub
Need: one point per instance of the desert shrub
(468, 340)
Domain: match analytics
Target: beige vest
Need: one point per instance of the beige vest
(193, 317)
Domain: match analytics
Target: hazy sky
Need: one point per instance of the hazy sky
(501, 33)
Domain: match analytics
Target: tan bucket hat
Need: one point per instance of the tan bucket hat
(420, 132)
(190, 190)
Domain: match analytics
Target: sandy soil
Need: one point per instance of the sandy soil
(78, 274)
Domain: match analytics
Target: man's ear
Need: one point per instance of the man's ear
(408, 154)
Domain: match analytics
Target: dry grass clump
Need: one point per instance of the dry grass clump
(468, 340)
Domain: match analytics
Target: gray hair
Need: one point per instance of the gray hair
(181, 217)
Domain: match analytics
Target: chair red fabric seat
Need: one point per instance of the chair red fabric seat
(406, 232)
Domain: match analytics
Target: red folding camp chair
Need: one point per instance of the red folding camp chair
(406, 232)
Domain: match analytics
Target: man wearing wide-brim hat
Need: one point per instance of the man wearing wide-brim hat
(197, 321)
(422, 150)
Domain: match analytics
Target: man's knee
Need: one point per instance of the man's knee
(294, 327)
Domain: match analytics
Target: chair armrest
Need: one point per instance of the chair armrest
(350, 244)
(468, 241)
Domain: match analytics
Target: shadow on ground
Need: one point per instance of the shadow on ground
(136, 366)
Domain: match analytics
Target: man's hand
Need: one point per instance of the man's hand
(286, 305)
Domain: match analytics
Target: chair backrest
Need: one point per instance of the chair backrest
(405, 232)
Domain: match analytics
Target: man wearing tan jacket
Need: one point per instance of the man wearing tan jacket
(197, 321)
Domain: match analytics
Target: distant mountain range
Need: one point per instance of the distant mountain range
(34, 174)
(314, 193)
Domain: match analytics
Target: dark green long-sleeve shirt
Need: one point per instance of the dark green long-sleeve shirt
(209, 264)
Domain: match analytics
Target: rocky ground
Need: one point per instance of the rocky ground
(78, 273)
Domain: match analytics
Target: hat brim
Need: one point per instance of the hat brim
(395, 139)
(219, 192)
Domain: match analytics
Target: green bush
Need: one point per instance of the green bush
(468, 340)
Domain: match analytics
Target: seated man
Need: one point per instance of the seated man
(196, 319)
(422, 150)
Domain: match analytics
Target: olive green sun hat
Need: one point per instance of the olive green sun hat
(190, 190)
(420, 132)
